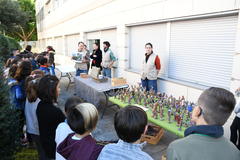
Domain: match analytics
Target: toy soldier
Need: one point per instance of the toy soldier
(161, 112)
(169, 115)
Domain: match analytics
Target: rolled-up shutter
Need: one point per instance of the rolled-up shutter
(72, 44)
(201, 51)
(59, 45)
(139, 36)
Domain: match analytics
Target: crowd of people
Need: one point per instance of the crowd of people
(102, 61)
(67, 134)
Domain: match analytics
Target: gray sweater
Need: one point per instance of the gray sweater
(202, 147)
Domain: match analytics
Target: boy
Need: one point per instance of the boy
(205, 140)
(44, 65)
(63, 128)
(130, 123)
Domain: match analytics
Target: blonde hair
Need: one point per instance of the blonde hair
(83, 118)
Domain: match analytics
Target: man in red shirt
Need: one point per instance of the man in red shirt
(150, 69)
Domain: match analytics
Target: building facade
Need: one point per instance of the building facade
(197, 40)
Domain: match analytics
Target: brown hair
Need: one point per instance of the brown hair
(12, 71)
(24, 69)
(37, 72)
(32, 87)
(217, 105)
(47, 89)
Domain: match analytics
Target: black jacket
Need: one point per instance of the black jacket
(48, 117)
(96, 58)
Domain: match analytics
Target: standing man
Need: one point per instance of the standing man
(108, 59)
(81, 59)
(88, 55)
(151, 67)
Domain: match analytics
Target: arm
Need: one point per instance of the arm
(86, 58)
(113, 59)
(237, 108)
(18, 92)
(157, 64)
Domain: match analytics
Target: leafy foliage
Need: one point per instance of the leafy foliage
(11, 15)
(9, 125)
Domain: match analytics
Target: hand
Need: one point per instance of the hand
(94, 55)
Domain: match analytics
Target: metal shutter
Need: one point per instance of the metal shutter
(201, 51)
(139, 36)
(72, 44)
(59, 45)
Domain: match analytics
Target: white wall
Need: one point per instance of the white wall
(85, 16)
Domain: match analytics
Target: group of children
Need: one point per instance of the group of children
(67, 135)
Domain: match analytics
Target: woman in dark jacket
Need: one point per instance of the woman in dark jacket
(96, 56)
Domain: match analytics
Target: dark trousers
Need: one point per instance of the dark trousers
(235, 132)
(36, 141)
(149, 84)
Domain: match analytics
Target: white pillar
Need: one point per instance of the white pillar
(123, 49)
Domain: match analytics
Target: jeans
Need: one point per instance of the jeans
(79, 71)
(107, 72)
(235, 132)
(149, 84)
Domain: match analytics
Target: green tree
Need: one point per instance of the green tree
(11, 16)
(28, 30)
(7, 45)
(9, 126)
(4, 47)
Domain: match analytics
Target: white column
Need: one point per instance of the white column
(64, 50)
(123, 49)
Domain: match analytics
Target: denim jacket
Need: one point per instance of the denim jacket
(17, 94)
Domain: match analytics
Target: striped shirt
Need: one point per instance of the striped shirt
(123, 151)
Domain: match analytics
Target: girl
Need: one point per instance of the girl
(48, 115)
(32, 101)
(96, 56)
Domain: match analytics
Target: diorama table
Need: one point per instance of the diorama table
(171, 127)
(95, 92)
(66, 71)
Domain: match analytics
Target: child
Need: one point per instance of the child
(206, 140)
(130, 123)
(30, 111)
(63, 128)
(48, 115)
(44, 65)
(18, 90)
(80, 145)
(235, 127)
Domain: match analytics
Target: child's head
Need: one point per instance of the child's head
(24, 69)
(130, 123)
(48, 89)
(215, 105)
(12, 70)
(71, 103)
(31, 85)
(83, 118)
(37, 72)
(43, 61)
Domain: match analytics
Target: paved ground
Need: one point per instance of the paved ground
(105, 129)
